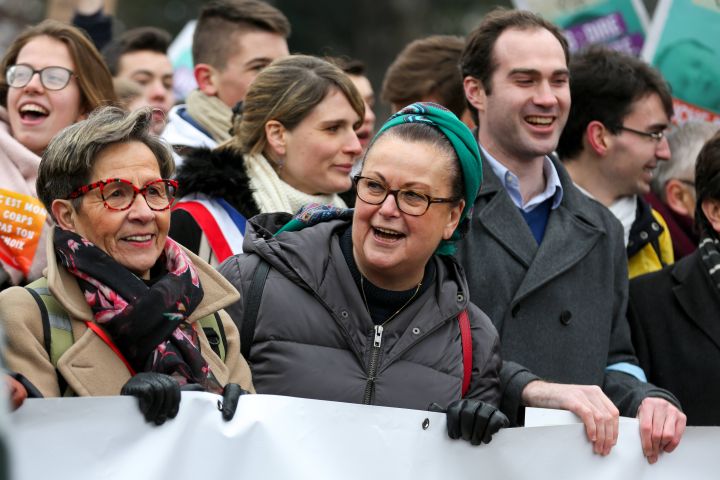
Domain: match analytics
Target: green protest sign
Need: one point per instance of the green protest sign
(682, 44)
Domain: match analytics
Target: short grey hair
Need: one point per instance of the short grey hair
(68, 160)
(685, 141)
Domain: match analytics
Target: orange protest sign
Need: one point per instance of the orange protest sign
(22, 218)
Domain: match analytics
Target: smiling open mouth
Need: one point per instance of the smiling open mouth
(387, 234)
(33, 112)
(540, 121)
(138, 238)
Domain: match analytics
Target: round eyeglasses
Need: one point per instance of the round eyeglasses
(52, 78)
(119, 194)
(410, 202)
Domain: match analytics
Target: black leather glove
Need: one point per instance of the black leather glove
(231, 396)
(474, 421)
(157, 393)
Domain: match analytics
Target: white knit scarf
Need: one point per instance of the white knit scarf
(274, 195)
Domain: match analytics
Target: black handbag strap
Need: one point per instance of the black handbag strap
(252, 306)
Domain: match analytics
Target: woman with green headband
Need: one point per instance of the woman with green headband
(368, 306)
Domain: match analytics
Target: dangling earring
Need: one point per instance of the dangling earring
(279, 163)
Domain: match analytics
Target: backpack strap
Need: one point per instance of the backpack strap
(215, 333)
(57, 330)
(466, 341)
(47, 341)
(252, 306)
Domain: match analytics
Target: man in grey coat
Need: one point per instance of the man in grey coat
(546, 263)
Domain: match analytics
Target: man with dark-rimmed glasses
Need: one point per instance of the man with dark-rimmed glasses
(612, 143)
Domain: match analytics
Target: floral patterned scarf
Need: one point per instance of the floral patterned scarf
(147, 323)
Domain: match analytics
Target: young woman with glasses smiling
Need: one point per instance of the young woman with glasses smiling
(52, 77)
(370, 306)
(134, 299)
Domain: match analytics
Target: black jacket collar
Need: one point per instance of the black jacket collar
(217, 173)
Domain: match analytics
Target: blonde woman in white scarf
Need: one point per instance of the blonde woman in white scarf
(294, 143)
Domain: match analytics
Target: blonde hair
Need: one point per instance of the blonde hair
(287, 91)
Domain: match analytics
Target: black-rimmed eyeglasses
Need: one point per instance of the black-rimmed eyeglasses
(657, 136)
(52, 78)
(374, 192)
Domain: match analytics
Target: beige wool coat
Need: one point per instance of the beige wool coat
(89, 366)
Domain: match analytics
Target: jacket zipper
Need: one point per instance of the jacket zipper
(372, 370)
(375, 356)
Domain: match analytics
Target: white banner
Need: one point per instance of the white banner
(275, 437)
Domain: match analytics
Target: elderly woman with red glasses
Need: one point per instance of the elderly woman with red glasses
(143, 315)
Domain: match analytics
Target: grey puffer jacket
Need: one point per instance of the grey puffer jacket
(314, 337)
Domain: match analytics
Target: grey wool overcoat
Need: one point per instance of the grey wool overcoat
(560, 306)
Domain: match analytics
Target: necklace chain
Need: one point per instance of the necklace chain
(367, 307)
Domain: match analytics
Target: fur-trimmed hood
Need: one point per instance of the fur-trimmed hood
(217, 173)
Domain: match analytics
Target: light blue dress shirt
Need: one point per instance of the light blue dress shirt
(510, 181)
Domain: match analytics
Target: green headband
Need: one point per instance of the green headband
(464, 143)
